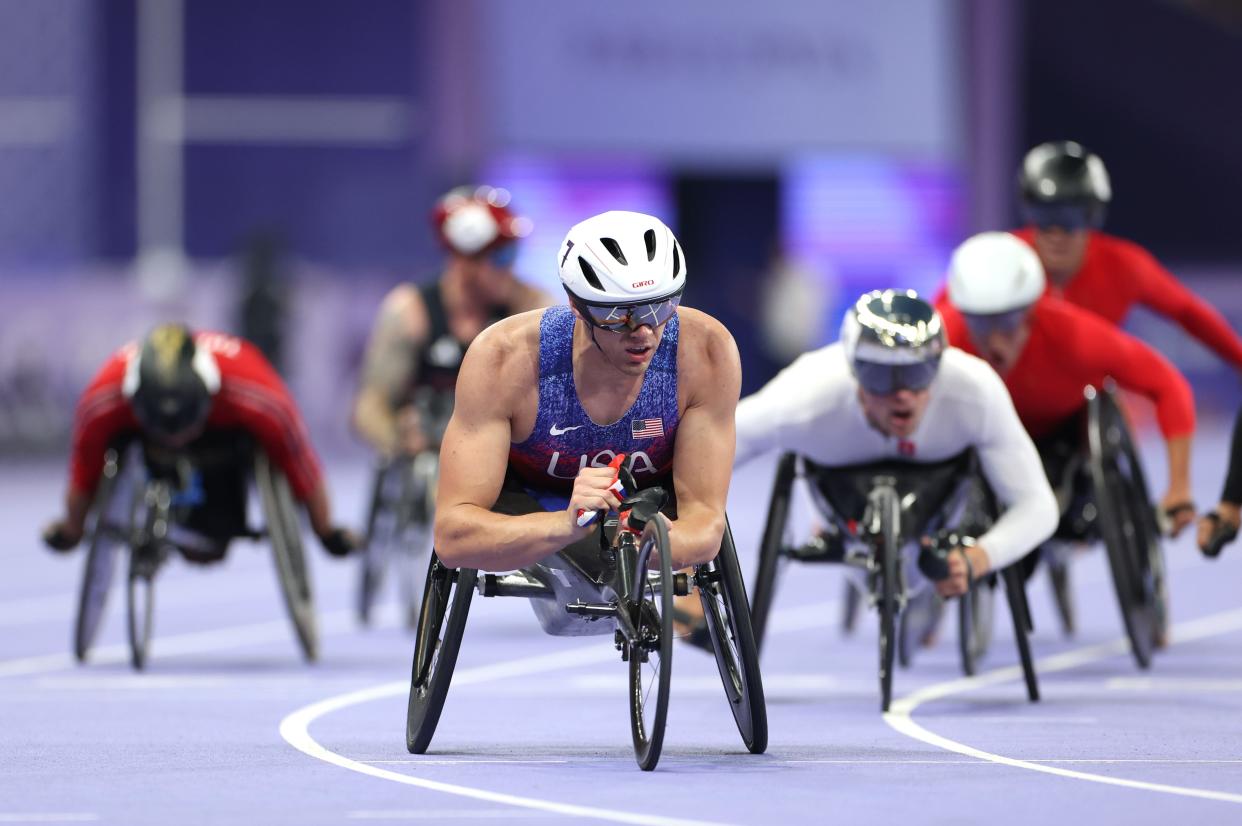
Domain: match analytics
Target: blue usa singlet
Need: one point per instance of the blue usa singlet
(565, 440)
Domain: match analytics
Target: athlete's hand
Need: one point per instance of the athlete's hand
(339, 541)
(958, 580)
(1177, 509)
(61, 536)
(592, 493)
(1225, 521)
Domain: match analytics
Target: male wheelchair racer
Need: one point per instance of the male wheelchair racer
(154, 501)
(876, 510)
(621, 584)
(1097, 474)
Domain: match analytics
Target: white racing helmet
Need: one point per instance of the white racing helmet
(621, 258)
(993, 273)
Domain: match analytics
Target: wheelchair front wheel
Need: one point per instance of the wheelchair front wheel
(141, 603)
(771, 545)
(285, 534)
(441, 624)
(651, 651)
(728, 621)
(888, 536)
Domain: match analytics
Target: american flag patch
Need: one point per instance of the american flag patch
(647, 428)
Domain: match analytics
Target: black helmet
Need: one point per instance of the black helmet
(170, 382)
(893, 340)
(1062, 183)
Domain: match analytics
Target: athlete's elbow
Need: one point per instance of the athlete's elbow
(1047, 514)
(450, 539)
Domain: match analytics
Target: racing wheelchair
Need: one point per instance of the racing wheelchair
(874, 511)
(623, 585)
(144, 501)
(1103, 493)
(398, 532)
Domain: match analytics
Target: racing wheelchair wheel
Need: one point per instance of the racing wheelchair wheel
(285, 534)
(651, 651)
(380, 532)
(1127, 524)
(771, 545)
(109, 533)
(445, 606)
(733, 641)
(885, 522)
(145, 556)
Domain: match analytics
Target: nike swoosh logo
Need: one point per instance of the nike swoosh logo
(557, 431)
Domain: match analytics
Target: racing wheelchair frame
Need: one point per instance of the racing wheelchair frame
(874, 510)
(612, 589)
(137, 509)
(398, 532)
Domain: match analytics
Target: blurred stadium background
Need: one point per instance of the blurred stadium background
(267, 167)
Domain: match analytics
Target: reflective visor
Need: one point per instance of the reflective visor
(1070, 217)
(620, 317)
(981, 326)
(886, 379)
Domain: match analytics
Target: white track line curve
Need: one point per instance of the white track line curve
(900, 719)
(295, 729)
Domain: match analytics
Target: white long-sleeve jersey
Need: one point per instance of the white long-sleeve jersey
(812, 408)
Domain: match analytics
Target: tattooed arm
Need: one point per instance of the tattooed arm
(389, 369)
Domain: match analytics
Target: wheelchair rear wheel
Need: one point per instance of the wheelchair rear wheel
(109, 534)
(1127, 526)
(651, 652)
(285, 534)
(728, 621)
(381, 528)
(771, 545)
(975, 614)
(445, 606)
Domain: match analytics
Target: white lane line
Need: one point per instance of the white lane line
(195, 642)
(1175, 685)
(47, 817)
(295, 729)
(462, 762)
(900, 719)
(440, 814)
(950, 762)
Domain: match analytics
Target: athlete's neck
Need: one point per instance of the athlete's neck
(605, 388)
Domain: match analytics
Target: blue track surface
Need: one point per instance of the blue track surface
(536, 727)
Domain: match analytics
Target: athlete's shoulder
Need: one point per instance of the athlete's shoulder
(705, 334)
(513, 340)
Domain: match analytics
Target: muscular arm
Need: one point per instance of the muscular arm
(1013, 469)
(1139, 368)
(389, 368)
(473, 458)
(703, 457)
(1162, 292)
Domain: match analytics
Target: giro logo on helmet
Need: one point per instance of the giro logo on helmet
(646, 283)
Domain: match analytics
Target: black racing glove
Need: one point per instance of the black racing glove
(339, 542)
(57, 537)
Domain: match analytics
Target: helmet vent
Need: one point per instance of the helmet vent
(649, 240)
(588, 272)
(676, 260)
(613, 247)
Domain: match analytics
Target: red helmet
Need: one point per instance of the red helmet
(477, 220)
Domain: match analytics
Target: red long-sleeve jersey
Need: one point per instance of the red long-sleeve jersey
(1070, 348)
(251, 397)
(1117, 274)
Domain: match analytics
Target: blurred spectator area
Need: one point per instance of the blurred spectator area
(804, 153)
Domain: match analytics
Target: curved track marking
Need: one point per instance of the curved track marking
(295, 729)
(899, 717)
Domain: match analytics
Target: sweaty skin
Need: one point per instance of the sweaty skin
(497, 401)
